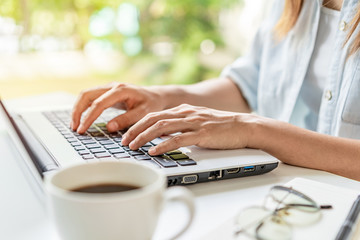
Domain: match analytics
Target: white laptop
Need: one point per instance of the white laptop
(46, 143)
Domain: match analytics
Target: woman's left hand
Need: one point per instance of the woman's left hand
(200, 126)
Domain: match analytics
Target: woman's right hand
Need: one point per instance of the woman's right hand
(137, 101)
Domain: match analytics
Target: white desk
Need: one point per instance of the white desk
(22, 216)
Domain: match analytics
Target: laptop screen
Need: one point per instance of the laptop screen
(19, 139)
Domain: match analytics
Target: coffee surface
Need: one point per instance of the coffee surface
(105, 188)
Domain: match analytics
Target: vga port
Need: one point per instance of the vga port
(189, 179)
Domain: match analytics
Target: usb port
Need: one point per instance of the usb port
(249, 169)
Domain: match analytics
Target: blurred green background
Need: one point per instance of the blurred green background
(69, 45)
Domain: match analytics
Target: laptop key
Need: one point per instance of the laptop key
(121, 155)
(112, 146)
(106, 131)
(75, 144)
(86, 142)
(106, 142)
(70, 140)
(102, 124)
(165, 162)
(117, 139)
(148, 144)
(186, 162)
(145, 149)
(92, 130)
(84, 152)
(102, 155)
(94, 145)
(88, 157)
(174, 152)
(126, 148)
(114, 135)
(135, 153)
(101, 138)
(80, 148)
(179, 156)
(114, 151)
(97, 150)
(157, 141)
(83, 137)
(97, 134)
(68, 135)
(142, 157)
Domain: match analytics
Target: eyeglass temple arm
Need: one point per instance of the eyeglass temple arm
(326, 207)
(308, 205)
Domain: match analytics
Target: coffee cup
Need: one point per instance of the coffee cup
(110, 200)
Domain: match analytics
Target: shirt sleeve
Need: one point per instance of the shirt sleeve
(244, 72)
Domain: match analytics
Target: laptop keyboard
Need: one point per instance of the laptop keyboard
(97, 143)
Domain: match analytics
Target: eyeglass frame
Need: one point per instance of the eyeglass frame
(274, 212)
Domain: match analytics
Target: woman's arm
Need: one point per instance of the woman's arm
(301, 147)
(221, 94)
(216, 129)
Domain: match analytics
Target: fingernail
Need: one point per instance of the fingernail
(152, 151)
(131, 145)
(113, 126)
(72, 124)
(80, 129)
(123, 141)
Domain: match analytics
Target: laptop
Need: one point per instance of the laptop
(46, 143)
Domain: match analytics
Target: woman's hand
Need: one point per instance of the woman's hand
(137, 101)
(198, 126)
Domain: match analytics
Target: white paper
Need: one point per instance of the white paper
(330, 222)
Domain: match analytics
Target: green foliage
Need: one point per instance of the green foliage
(182, 23)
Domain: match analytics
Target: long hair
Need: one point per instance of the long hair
(291, 13)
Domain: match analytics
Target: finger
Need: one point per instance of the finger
(125, 120)
(160, 128)
(177, 141)
(103, 102)
(145, 123)
(83, 102)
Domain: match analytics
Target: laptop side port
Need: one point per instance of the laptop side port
(189, 179)
(249, 169)
(233, 170)
(215, 175)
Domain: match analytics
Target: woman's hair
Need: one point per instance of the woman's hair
(291, 13)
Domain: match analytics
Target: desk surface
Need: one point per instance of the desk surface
(24, 217)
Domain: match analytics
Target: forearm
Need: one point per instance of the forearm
(297, 146)
(221, 94)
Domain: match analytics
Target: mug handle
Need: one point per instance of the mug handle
(181, 194)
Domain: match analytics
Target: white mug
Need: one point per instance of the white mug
(126, 215)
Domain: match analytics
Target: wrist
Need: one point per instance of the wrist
(257, 131)
(170, 95)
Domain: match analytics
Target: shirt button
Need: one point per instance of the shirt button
(343, 25)
(328, 95)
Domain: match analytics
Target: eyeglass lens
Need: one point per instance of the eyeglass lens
(292, 208)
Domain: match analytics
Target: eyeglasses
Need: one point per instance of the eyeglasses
(289, 207)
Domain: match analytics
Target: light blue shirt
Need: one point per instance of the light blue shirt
(271, 76)
(306, 110)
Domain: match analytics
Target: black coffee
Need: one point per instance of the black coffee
(105, 188)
